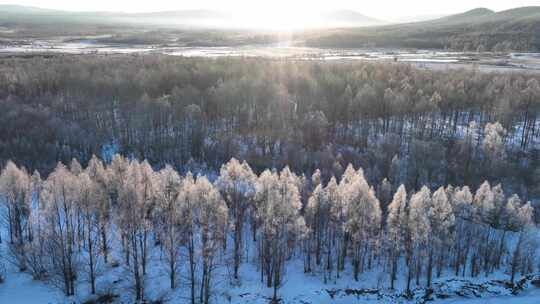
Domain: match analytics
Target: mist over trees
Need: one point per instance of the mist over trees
(64, 229)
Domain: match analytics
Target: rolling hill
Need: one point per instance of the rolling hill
(515, 29)
(477, 29)
(201, 18)
(348, 18)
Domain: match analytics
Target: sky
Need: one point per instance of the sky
(382, 9)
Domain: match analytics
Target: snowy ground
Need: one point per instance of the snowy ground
(299, 289)
(21, 289)
(527, 297)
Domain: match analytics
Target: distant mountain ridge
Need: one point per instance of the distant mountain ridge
(193, 17)
(481, 28)
(21, 9)
(350, 16)
(468, 16)
(477, 29)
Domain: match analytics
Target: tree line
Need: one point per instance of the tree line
(67, 228)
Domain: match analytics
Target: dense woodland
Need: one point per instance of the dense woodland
(67, 228)
(435, 148)
(411, 126)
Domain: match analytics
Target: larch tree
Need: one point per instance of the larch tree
(441, 220)
(363, 223)
(493, 144)
(522, 223)
(171, 225)
(90, 197)
(16, 190)
(137, 196)
(212, 218)
(332, 197)
(339, 211)
(103, 178)
(35, 250)
(188, 216)
(464, 213)
(397, 230)
(236, 183)
(61, 194)
(317, 217)
(281, 224)
(204, 214)
(484, 203)
(420, 232)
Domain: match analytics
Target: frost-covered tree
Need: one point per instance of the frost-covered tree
(313, 218)
(187, 205)
(58, 225)
(464, 213)
(278, 201)
(363, 223)
(205, 215)
(212, 218)
(236, 183)
(137, 198)
(35, 249)
(318, 216)
(170, 223)
(16, 196)
(90, 198)
(484, 202)
(61, 194)
(397, 230)
(103, 178)
(493, 143)
(349, 180)
(441, 222)
(522, 254)
(419, 225)
(495, 218)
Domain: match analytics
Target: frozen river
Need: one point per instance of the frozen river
(428, 59)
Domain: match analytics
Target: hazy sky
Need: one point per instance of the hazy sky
(374, 8)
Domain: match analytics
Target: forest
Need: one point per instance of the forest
(409, 125)
(202, 171)
(65, 229)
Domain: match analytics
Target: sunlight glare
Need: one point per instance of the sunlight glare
(277, 18)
